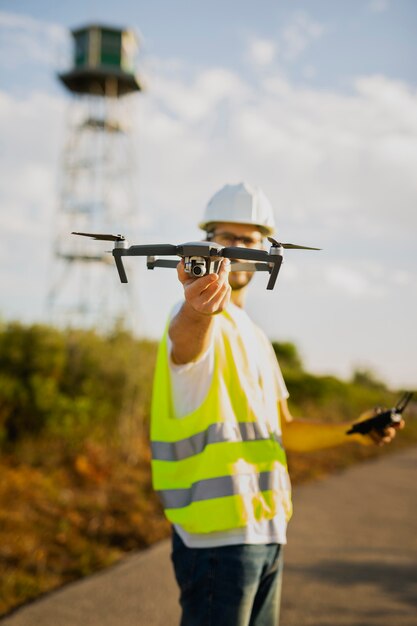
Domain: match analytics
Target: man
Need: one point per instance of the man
(220, 425)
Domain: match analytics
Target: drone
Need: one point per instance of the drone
(200, 257)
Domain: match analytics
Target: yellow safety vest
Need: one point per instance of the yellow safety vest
(219, 467)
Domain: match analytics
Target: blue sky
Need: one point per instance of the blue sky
(314, 101)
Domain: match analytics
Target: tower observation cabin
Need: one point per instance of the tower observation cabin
(103, 62)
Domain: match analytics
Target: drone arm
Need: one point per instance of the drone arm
(158, 249)
(236, 266)
(246, 254)
(118, 253)
(275, 270)
(152, 262)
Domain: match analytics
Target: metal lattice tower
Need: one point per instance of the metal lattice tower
(98, 176)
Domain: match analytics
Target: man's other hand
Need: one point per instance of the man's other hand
(376, 436)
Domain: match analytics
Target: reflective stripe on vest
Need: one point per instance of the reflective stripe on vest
(215, 433)
(220, 487)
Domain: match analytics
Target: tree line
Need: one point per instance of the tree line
(63, 381)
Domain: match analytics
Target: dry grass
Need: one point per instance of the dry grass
(68, 512)
(61, 523)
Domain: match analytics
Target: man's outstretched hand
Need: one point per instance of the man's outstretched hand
(377, 436)
(209, 294)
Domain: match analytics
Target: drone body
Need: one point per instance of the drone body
(201, 257)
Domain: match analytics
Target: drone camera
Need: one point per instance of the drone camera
(198, 269)
(196, 266)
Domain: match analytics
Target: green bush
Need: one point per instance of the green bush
(58, 380)
(287, 355)
(328, 397)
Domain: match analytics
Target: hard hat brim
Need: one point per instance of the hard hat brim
(265, 230)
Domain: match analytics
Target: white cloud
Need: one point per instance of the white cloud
(15, 21)
(31, 131)
(26, 39)
(389, 99)
(299, 33)
(309, 72)
(195, 101)
(261, 51)
(379, 6)
(352, 283)
(402, 278)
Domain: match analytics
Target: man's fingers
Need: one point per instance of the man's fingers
(224, 267)
(206, 285)
(384, 436)
(216, 295)
(388, 434)
(182, 275)
(196, 287)
(222, 304)
(221, 285)
(214, 299)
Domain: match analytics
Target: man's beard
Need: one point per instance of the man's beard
(239, 280)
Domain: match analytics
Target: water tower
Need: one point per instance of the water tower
(98, 176)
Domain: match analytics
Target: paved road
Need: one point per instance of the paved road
(351, 561)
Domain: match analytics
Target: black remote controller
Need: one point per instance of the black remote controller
(388, 417)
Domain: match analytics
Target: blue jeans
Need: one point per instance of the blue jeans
(229, 585)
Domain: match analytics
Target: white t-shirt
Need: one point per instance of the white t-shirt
(190, 384)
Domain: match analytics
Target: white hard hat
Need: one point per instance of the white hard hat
(240, 204)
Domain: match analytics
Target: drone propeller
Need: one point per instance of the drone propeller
(101, 237)
(289, 246)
